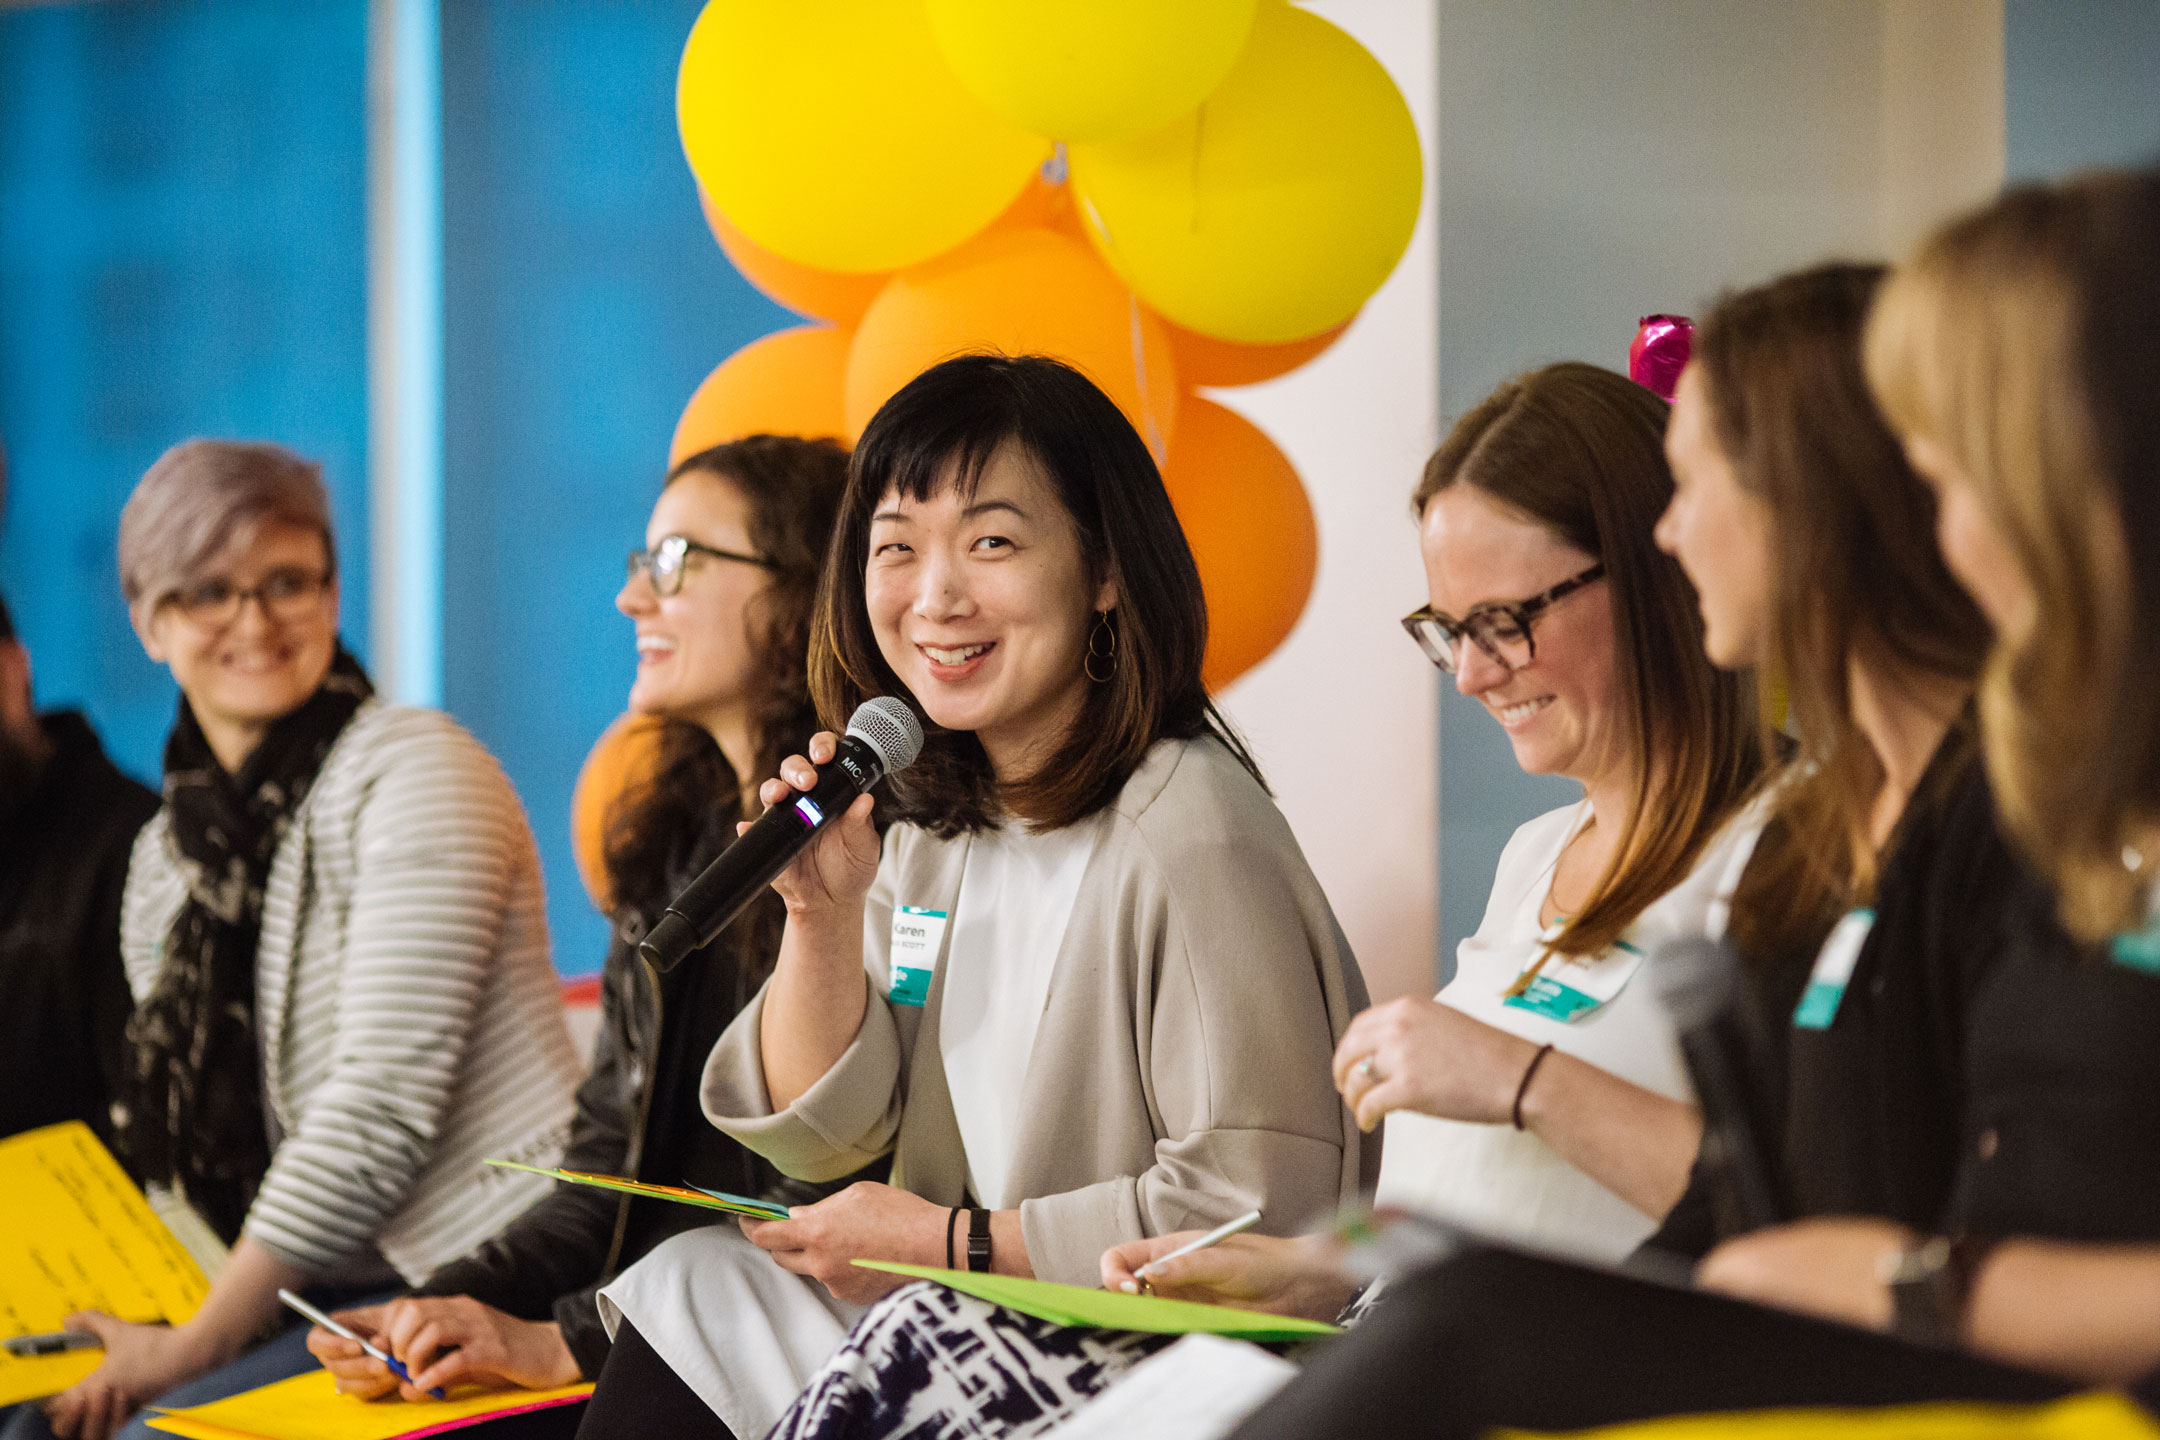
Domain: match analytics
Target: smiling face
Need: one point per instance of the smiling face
(242, 677)
(698, 649)
(982, 607)
(1718, 531)
(1561, 711)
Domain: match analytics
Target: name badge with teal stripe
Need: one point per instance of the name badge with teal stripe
(1833, 971)
(1568, 987)
(917, 935)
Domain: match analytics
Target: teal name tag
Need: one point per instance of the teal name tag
(1833, 971)
(2137, 950)
(1568, 987)
(917, 935)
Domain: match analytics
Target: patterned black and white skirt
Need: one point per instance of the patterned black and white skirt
(928, 1363)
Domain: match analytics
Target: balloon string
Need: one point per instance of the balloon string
(1147, 405)
(1199, 134)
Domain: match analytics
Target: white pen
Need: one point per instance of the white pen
(396, 1367)
(1215, 1236)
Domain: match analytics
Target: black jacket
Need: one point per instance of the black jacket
(64, 1002)
(1983, 1075)
(637, 1115)
(1864, 1117)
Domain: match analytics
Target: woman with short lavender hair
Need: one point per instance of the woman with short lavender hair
(337, 942)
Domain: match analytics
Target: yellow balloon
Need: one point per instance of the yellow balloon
(832, 133)
(1278, 207)
(1091, 69)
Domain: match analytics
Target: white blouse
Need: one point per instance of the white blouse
(1017, 890)
(1508, 1183)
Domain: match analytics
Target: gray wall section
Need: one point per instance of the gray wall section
(1599, 163)
(2081, 85)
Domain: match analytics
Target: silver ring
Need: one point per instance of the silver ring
(1365, 1068)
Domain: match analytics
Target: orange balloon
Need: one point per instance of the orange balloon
(1042, 205)
(1251, 530)
(1204, 360)
(1020, 292)
(621, 757)
(820, 294)
(785, 384)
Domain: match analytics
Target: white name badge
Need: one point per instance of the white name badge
(917, 935)
(1833, 971)
(1568, 987)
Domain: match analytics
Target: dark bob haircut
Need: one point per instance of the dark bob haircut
(942, 428)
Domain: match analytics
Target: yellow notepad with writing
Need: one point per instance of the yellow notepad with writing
(308, 1407)
(1110, 1309)
(75, 1234)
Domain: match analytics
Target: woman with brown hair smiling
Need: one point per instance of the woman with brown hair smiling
(1088, 989)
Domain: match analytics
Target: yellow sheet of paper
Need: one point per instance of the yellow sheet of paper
(2079, 1417)
(1111, 1310)
(75, 1234)
(308, 1407)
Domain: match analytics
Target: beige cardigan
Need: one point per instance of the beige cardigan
(1180, 1075)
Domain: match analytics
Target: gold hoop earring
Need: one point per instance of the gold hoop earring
(1108, 655)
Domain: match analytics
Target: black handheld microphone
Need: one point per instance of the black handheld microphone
(883, 737)
(1696, 978)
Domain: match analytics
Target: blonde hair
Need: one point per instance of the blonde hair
(200, 495)
(2024, 341)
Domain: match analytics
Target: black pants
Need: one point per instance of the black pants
(1496, 1338)
(639, 1395)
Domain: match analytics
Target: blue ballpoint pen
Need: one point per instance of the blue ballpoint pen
(397, 1368)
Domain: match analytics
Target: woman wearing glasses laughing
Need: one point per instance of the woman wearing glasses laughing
(721, 594)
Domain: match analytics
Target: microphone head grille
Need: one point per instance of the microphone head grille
(888, 726)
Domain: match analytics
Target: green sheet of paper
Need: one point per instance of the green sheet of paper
(1111, 1310)
(704, 1199)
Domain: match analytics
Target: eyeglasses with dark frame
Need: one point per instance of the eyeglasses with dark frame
(286, 594)
(663, 564)
(1501, 630)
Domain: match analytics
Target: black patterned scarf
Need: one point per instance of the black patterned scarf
(191, 1100)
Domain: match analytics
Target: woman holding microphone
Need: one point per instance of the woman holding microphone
(1084, 992)
(1567, 1126)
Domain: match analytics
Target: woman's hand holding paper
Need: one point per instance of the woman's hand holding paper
(869, 1221)
(1301, 1276)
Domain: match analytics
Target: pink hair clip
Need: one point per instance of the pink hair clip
(1660, 353)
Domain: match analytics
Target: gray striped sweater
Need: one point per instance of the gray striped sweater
(408, 1014)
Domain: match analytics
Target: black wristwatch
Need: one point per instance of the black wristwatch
(1930, 1282)
(979, 1241)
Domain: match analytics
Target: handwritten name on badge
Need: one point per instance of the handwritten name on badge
(917, 936)
(1568, 988)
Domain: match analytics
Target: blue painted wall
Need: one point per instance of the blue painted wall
(182, 252)
(583, 301)
(2081, 85)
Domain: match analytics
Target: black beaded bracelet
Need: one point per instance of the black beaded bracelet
(1529, 1071)
(950, 1221)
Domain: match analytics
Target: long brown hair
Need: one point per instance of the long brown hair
(1580, 450)
(663, 829)
(1855, 571)
(2024, 340)
(942, 428)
